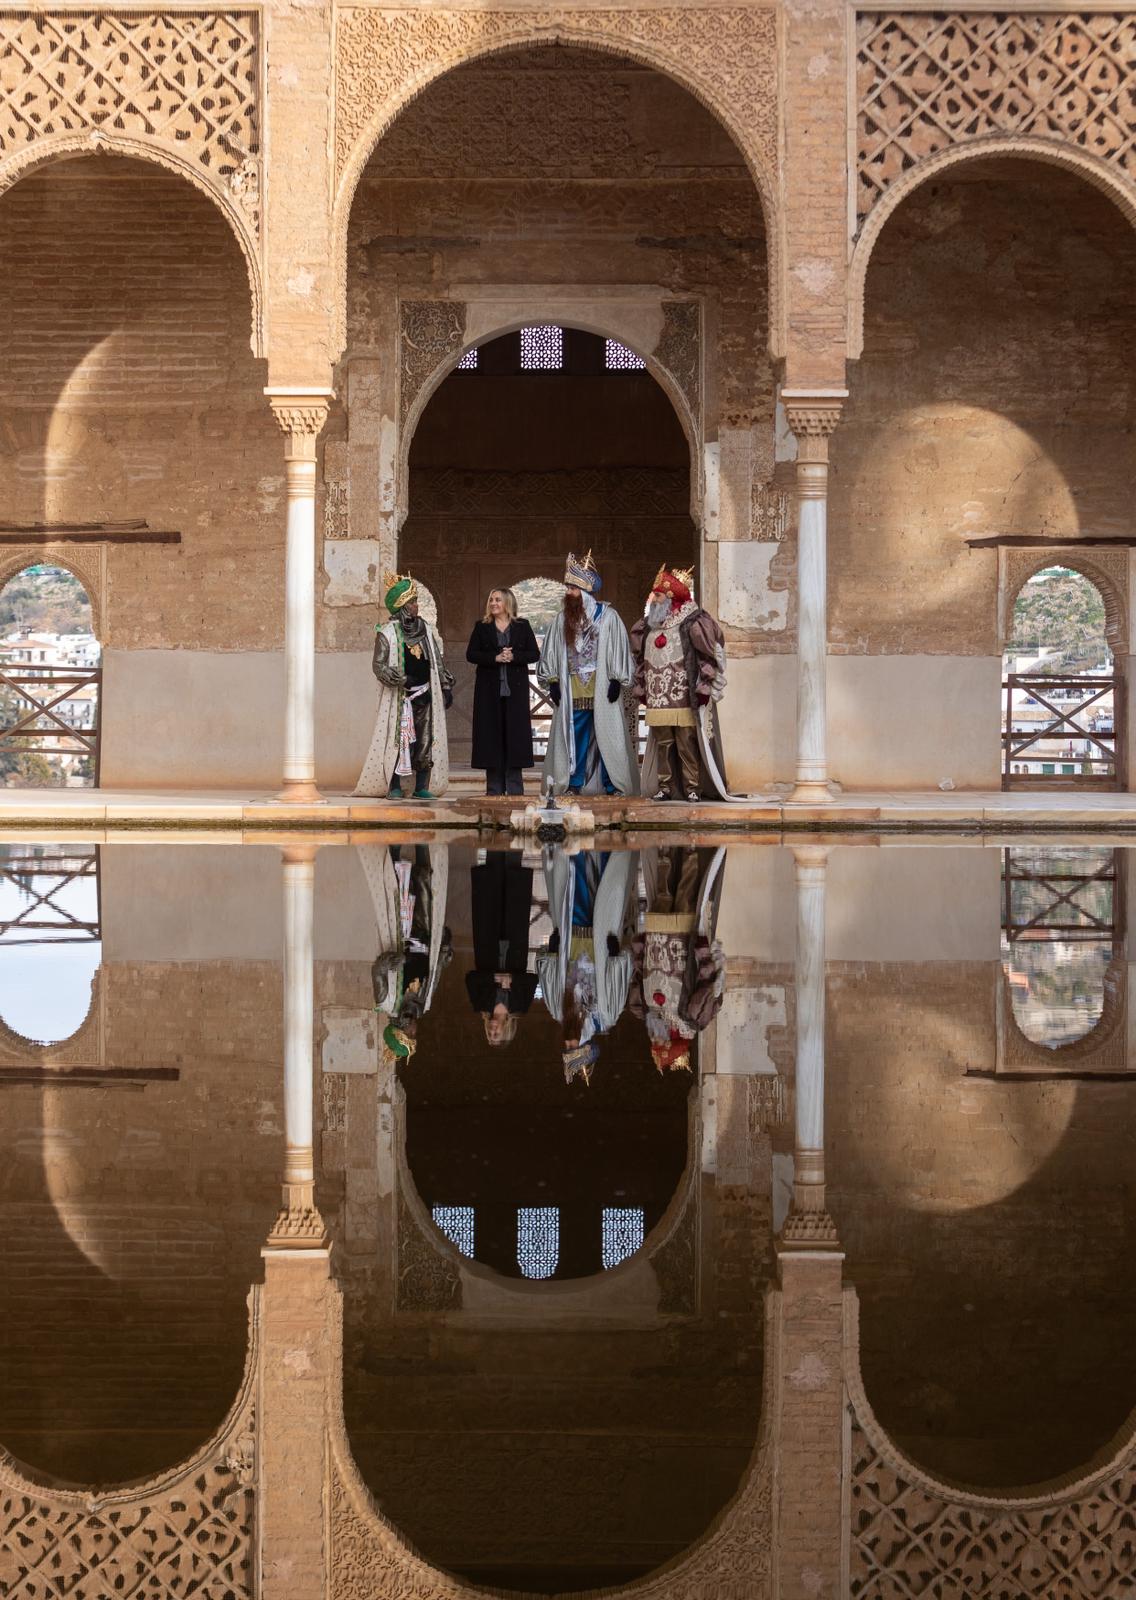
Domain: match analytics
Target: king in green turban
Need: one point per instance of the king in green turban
(415, 692)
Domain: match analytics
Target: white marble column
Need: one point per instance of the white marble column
(301, 414)
(808, 1225)
(299, 1225)
(812, 416)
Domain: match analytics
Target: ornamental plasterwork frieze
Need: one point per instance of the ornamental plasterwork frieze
(430, 338)
(384, 58)
(726, 57)
(187, 1532)
(183, 80)
(928, 81)
(179, 88)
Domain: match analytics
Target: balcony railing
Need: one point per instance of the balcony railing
(1080, 742)
(32, 718)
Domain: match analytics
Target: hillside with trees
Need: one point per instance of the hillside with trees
(1063, 612)
(44, 600)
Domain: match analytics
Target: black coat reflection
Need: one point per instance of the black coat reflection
(501, 896)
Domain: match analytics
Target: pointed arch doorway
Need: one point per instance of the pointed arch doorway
(1064, 702)
(542, 440)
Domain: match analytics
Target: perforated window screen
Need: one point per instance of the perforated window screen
(621, 358)
(538, 1240)
(542, 349)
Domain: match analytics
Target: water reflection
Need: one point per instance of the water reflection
(531, 1155)
(1062, 943)
(50, 939)
(545, 1102)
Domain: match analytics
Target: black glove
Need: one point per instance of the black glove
(554, 941)
(447, 698)
(554, 693)
(614, 690)
(612, 945)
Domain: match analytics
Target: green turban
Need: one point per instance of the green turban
(398, 1043)
(401, 590)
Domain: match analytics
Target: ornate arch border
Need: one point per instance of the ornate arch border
(228, 1453)
(1100, 1049)
(367, 1555)
(85, 563)
(1106, 570)
(420, 60)
(1100, 174)
(138, 147)
(1038, 1508)
(432, 339)
(80, 1048)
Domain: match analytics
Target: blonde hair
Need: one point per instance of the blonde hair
(508, 1028)
(510, 603)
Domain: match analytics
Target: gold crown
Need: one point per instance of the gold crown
(684, 575)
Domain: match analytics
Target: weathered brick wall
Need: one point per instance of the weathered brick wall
(986, 1225)
(130, 391)
(992, 398)
(135, 1221)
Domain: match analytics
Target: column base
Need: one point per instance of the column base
(301, 792)
(812, 792)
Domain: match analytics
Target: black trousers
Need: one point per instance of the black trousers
(504, 780)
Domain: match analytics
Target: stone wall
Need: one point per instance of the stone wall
(992, 397)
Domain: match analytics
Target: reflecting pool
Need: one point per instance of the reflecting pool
(423, 1214)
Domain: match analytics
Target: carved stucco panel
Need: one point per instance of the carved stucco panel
(726, 57)
(179, 88)
(188, 1532)
(931, 80)
(430, 337)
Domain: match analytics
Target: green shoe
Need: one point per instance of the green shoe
(423, 794)
(395, 792)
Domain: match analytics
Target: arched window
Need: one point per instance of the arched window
(50, 940)
(1059, 727)
(1060, 941)
(50, 681)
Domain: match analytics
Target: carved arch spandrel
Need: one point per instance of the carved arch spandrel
(733, 1560)
(180, 88)
(186, 1532)
(725, 57)
(913, 1534)
(1093, 171)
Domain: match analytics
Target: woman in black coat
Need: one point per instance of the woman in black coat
(501, 647)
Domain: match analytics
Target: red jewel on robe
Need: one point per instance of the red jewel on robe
(660, 642)
(660, 998)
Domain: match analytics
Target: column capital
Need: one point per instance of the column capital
(298, 1224)
(813, 413)
(301, 414)
(808, 1230)
(810, 862)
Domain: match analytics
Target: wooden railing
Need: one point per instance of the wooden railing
(31, 717)
(541, 711)
(1080, 732)
(40, 879)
